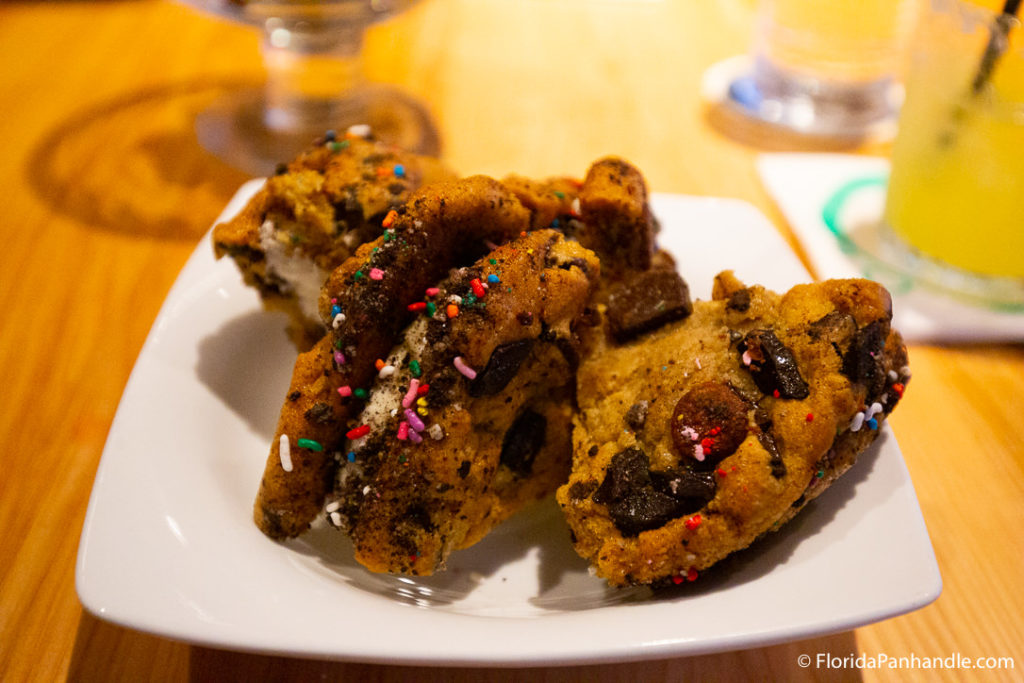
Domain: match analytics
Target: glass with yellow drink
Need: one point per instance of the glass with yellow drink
(827, 68)
(956, 193)
(841, 41)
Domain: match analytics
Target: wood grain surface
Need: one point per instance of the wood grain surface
(105, 192)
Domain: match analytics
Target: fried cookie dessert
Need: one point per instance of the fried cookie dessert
(312, 215)
(364, 306)
(698, 436)
(367, 301)
(470, 417)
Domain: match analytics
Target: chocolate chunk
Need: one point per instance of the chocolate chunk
(739, 301)
(525, 318)
(418, 515)
(636, 416)
(646, 509)
(463, 470)
(772, 365)
(501, 368)
(589, 318)
(693, 489)
(646, 302)
(320, 413)
(708, 424)
(568, 265)
(639, 499)
(628, 471)
(570, 353)
(862, 362)
(776, 462)
(834, 327)
(523, 441)
(580, 490)
(762, 418)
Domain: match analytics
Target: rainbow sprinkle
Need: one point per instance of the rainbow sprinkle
(358, 432)
(414, 421)
(285, 454)
(461, 366)
(410, 395)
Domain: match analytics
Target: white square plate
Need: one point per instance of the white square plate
(169, 546)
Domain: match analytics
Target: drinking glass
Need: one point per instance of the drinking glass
(953, 213)
(828, 69)
(311, 51)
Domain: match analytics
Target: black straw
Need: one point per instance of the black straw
(997, 44)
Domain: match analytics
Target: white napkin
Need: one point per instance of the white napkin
(802, 184)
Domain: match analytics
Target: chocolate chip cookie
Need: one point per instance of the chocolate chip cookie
(470, 416)
(697, 435)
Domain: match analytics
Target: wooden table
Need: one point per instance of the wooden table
(105, 193)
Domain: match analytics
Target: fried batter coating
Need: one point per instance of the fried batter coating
(713, 430)
(617, 221)
(372, 296)
(441, 226)
(550, 201)
(308, 219)
(470, 420)
(607, 212)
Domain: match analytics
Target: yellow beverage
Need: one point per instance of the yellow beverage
(842, 40)
(956, 192)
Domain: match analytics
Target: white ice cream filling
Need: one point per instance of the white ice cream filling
(301, 275)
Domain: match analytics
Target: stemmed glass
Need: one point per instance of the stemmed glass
(311, 50)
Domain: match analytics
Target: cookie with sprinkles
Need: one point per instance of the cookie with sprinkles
(364, 305)
(469, 418)
(307, 219)
(715, 428)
